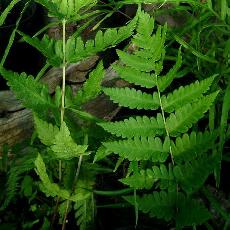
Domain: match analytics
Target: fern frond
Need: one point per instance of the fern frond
(132, 98)
(134, 76)
(67, 9)
(33, 95)
(50, 48)
(140, 148)
(136, 127)
(192, 175)
(192, 212)
(187, 94)
(157, 204)
(47, 187)
(15, 174)
(172, 206)
(147, 178)
(136, 62)
(183, 118)
(189, 147)
(145, 24)
(76, 50)
(64, 146)
(92, 87)
(165, 81)
(46, 131)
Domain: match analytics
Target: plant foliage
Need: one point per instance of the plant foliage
(176, 154)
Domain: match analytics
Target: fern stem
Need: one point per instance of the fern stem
(164, 120)
(42, 71)
(63, 70)
(66, 214)
(63, 84)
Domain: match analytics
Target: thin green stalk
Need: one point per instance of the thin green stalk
(42, 71)
(113, 193)
(164, 120)
(12, 36)
(63, 70)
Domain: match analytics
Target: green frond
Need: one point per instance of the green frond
(140, 148)
(145, 24)
(136, 127)
(165, 81)
(101, 153)
(15, 174)
(157, 204)
(136, 77)
(192, 175)
(76, 50)
(84, 212)
(132, 98)
(183, 118)
(187, 94)
(92, 87)
(147, 178)
(136, 62)
(67, 9)
(172, 206)
(33, 95)
(64, 146)
(188, 147)
(46, 186)
(46, 131)
(192, 212)
(50, 48)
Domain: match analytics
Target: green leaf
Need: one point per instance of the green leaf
(49, 188)
(192, 175)
(136, 127)
(147, 178)
(140, 148)
(136, 62)
(134, 99)
(189, 147)
(64, 146)
(165, 81)
(50, 48)
(46, 131)
(92, 87)
(183, 118)
(33, 95)
(187, 94)
(76, 50)
(136, 77)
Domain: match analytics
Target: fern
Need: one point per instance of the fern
(76, 49)
(186, 94)
(136, 127)
(149, 141)
(46, 186)
(15, 174)
(92, 87)
(147, 178)
(185, 117)
(46, 131)
(68, 9)
(192, 175)
(140, 148)
(190, 146)
(134, 99)
(163, 205)
(33, 95)
(64, 146)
